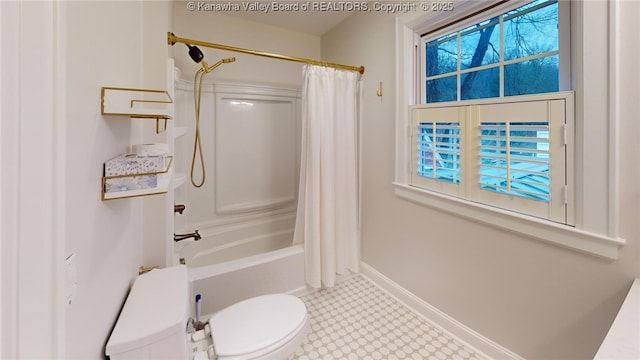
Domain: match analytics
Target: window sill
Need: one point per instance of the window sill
(547, 231)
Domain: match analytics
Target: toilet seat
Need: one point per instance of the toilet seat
(260, 326)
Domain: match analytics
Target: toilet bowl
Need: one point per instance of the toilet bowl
(269, 326)
(153, 324)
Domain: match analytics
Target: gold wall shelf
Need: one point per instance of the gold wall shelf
(164, 182)
(136, 103)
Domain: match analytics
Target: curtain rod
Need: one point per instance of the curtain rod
(172, 39)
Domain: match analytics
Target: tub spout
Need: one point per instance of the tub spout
(179, 237)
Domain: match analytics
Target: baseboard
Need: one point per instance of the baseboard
(466, 335)
(302, 291)
(306, 289)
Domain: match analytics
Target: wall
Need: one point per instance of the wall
(251, 155)
(102, 50)
(158, 212)
(267, 198)
(536, 299)
(224, 29)
(108, 236)
(55, 58)
(105, 46)
(30, 124)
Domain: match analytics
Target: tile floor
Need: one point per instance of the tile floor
(358, 320)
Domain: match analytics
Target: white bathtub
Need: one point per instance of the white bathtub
(222, 243)
(210, 250)
(225, 283)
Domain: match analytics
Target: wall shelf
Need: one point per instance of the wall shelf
(136, 103)
(164, 181)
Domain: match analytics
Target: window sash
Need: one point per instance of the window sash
(503, 14)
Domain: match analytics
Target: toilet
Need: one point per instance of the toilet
(154, 324)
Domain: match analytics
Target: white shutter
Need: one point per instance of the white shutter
(437, 146)
(520, 162)
(508, 153)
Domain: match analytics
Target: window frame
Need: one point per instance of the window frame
(595, 166)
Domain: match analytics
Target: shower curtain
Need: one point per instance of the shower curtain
(327, 219)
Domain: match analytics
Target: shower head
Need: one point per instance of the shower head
(198, 57)
(208, 68)
(195, 53)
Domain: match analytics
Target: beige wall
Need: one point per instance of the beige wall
(157, 219)
(55, 58)
(538, 300)
(105, 46)
(30, 120)
(228, 30)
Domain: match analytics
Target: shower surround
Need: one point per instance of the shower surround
(250, 138)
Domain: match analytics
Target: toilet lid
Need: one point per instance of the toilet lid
(257, 323)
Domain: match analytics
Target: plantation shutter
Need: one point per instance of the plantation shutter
(438, 143)
(520, 162)
(511, 154)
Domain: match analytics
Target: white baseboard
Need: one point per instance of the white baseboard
(302, 291)
(306, 289)
(466, 335)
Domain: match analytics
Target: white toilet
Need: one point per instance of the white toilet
(153, 324)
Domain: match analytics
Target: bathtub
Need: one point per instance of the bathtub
(240, 277)
(206, 252)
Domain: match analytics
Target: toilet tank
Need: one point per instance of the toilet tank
(153, 321)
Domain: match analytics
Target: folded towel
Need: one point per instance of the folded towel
(151, 149)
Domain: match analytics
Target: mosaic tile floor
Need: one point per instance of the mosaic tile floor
(357, 320)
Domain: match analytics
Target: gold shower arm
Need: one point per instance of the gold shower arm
(172, 39)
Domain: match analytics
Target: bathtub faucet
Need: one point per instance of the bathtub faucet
(179, 237)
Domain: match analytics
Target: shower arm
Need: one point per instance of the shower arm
(172, 39)
(207, 69)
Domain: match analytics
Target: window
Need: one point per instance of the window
(496, 152)
(515, 53)
(591, 156)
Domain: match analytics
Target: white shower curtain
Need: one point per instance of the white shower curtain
(327, 218)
